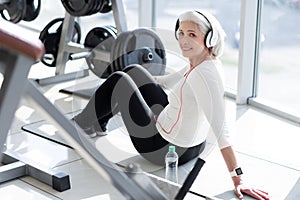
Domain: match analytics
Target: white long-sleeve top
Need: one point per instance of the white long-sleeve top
(202, 106)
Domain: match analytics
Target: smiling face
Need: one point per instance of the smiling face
(191, 42)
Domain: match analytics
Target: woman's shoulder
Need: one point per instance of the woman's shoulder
(209, 67)
(211, 70)
(210, 64)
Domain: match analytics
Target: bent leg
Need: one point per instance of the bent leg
(152, 93)
(138, 119)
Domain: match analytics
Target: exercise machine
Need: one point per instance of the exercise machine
(17, 54)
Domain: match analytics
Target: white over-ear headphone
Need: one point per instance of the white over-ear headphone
(211, 37)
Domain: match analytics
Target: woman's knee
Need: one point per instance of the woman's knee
(136, 71)
(121, 76)
(118, 74)
(117, 82)
(122, 83)
(139, 74)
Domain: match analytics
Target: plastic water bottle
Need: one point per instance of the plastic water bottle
(171, 160)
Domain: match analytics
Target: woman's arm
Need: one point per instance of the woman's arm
(231, 162)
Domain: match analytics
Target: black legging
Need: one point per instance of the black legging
(134, 94)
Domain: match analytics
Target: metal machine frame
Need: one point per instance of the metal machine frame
(15, 66)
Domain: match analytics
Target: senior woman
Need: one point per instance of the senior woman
(191, 110)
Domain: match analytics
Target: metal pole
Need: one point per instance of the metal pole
(65, 38)
(119, 15)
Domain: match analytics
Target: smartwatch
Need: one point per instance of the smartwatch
(236, 172)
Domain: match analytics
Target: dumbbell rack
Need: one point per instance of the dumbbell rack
(66, 46)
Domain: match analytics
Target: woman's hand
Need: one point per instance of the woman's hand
(241, 188)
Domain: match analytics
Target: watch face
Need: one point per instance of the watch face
(239, 171)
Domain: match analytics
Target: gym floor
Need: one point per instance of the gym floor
(266, 147)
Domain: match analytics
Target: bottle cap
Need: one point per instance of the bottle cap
(171, 148)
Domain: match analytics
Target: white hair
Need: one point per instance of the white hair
(205, 24)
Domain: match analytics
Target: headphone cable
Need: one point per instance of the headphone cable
(180, 107)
